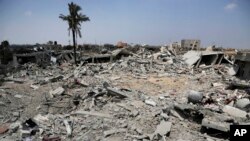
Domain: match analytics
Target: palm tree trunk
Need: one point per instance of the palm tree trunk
(74, 43)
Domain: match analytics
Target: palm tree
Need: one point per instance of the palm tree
(74, 20)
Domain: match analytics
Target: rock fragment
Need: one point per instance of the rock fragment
(150, 102)
(57, 91)
(234, 111)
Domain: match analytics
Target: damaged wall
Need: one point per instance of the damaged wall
(243, 61)
(191, 44)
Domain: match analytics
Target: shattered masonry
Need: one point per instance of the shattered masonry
(121, 92)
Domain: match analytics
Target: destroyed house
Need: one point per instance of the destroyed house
(242, 59)
(205, 58)
(35, 57)
(190, 44)
(108, 57)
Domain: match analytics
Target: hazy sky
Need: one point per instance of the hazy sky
(222, 22)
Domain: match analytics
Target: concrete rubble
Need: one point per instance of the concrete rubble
(123, 94)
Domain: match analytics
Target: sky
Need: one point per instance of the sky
(155, 22)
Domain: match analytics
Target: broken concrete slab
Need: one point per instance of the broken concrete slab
(233, 70)
(217, 84)
(83, 83)
(243, 104)
(163, 128)
(234, 111)
(191, 57)
(92, 113)
(218, 125)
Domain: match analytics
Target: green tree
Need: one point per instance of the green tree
(74, 19)
(5, 52)
(5, 44)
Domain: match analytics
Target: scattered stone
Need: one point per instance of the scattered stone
(68, 128)
(18, 96)
(165, 116)
(16, 114)
(58, 91)
(218, 125)
(163, 128)
(150, 102)
(243, 104)
(234, 111)
(217, 84)
(194, 96)
(83, 83)
(34, 87)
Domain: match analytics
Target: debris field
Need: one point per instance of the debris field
(142, 96)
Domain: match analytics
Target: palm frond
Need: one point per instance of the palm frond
(75, 18)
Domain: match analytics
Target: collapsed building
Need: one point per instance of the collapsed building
(203, 58)
(242, 59)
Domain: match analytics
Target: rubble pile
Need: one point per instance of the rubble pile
(145, 96)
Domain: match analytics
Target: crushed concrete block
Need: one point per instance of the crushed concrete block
(135, 113)
(234, 111)
(243, 104)
(83, 83)
(150, 102)
(165, 116)
(163, 128)
(57, 91)
(221, 126)
(41, 120)
(217, 84)
(16, 114)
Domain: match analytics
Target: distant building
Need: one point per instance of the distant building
(192, 44)
(242, 59)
